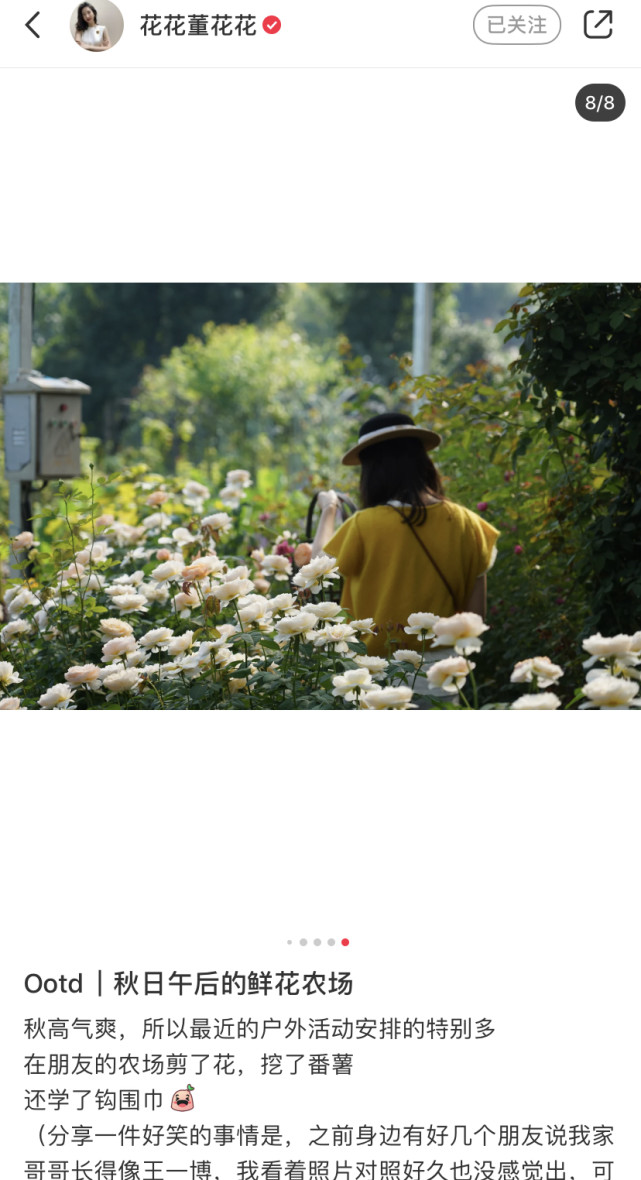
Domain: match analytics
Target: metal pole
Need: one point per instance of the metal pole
(20, 353)
(20, 329)
(422, 335)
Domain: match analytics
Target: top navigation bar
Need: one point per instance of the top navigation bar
(333, 33)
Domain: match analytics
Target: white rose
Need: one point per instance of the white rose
(277, 564)
(130, 603)
(421, 623)
(296, 624)
(351, 683)
(114, 648)
(124, 534)
(125, 580)
(103, 522)
(195, 490)
(12, 630)
(622, 648)
(183, 603)
(21, 601)
(155, 592)
(254, 612)
(608, 692)
(157, 498)
(312, 575)
(374, 664)
(337, 635)
(23, 541)
(218, 522)
(449, 674)
(59, 696)
(158, 637)
(282, 602)
(231, 495)
(157, 520)
(230, 575)
(224, 630)
(461, 631)
(180, 643)
(232, 589)
(363, 626)
(537, 700)
(238, 477)
(92, 582)
(225, 656)
(191, 667)
(387, 698)
(42, 620)
(132, 659)
(115, 628)
(168, 571)
(74, 572)
(406, 656)
(8, 675)
(323, 610)
(95, 553)
(201, 568)
(163, 671)
(9, 704)
(540, 668)
(87, 674)
(124, 680)
(603, 647)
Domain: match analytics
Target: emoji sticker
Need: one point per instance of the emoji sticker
(182, 1099)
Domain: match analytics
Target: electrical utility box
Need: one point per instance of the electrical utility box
(42, 426)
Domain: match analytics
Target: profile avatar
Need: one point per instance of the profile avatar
(97, 31)
(182, 1099)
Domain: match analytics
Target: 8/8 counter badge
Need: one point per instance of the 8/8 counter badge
(600, 103)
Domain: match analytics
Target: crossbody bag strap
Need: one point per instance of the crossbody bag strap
(429, 555)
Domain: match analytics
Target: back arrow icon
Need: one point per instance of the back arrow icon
(29, 24)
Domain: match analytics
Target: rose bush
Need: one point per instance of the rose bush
(163, 610)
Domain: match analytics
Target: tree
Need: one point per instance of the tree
(105, 333)
(245, 395)
(580, 353)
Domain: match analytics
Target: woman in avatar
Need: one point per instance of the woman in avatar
(89, 34)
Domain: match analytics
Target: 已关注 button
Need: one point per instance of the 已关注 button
(517, 24)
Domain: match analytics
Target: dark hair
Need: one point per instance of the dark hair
(81, 23)
(397, 469)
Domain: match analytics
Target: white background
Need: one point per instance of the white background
(470, 877)
(294, 175)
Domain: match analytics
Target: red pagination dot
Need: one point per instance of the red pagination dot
(344, 941)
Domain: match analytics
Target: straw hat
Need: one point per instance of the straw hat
(383, 428)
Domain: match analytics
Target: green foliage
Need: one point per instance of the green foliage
(579, 368)
(244, 394)
(105, 333)
(497, 460)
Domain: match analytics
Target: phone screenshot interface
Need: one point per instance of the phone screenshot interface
(320, 358)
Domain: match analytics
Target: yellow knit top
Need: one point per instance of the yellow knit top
(388, 576)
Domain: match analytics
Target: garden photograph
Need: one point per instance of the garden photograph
(421, 496)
